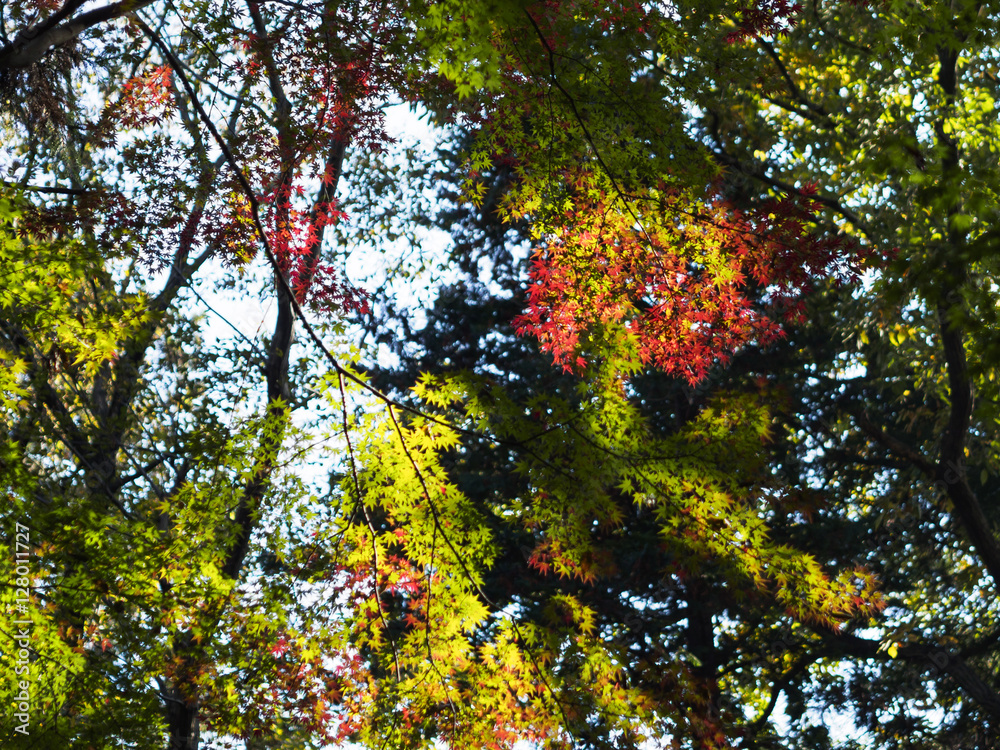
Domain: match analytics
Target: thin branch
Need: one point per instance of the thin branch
(50, 190)
(368, 521)
(798, 95)
(758, 172)
(777, 688)
(583, 126)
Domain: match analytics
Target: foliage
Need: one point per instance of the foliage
(878, 442)
(598, 554)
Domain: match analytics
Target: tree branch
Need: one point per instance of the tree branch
(896, 446)
(951, 467)
(933, 658)
(33, 43)
(50, 190)
(757, 171)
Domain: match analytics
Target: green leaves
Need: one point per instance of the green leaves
(48, 291)
(599, 557)
(460, 40)
(421, 553)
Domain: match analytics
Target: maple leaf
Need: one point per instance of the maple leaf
(280, 647)
(687, 290)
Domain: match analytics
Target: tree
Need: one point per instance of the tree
(489, 560)
(899, 149)
(883, 392)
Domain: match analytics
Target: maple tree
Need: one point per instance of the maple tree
(496, 557)
(883, 395)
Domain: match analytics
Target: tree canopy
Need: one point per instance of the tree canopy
(687, 437)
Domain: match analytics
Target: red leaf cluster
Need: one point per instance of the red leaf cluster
(691, 287)
(145, 99)
(295, 236)
(763, 18)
